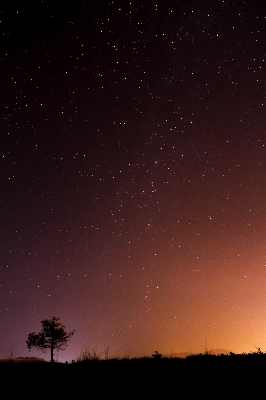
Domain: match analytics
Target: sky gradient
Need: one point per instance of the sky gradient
(133, 175)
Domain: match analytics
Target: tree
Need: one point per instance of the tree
(52, 336)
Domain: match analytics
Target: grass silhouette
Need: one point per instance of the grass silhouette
(213, 376)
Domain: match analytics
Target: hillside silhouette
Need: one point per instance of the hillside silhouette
(185, 354)
(233, 376)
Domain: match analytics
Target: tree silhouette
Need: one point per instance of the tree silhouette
(52, 336)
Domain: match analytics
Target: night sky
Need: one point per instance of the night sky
(133, 175)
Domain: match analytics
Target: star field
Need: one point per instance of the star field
(133, 174)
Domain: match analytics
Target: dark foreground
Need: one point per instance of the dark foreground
(231, 376)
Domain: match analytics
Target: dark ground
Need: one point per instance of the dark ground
(213, 377)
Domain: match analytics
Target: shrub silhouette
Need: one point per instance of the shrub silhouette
(157, 355)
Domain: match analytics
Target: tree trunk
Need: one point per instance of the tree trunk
(52, 354)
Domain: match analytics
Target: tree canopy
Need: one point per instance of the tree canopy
(52, 336)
